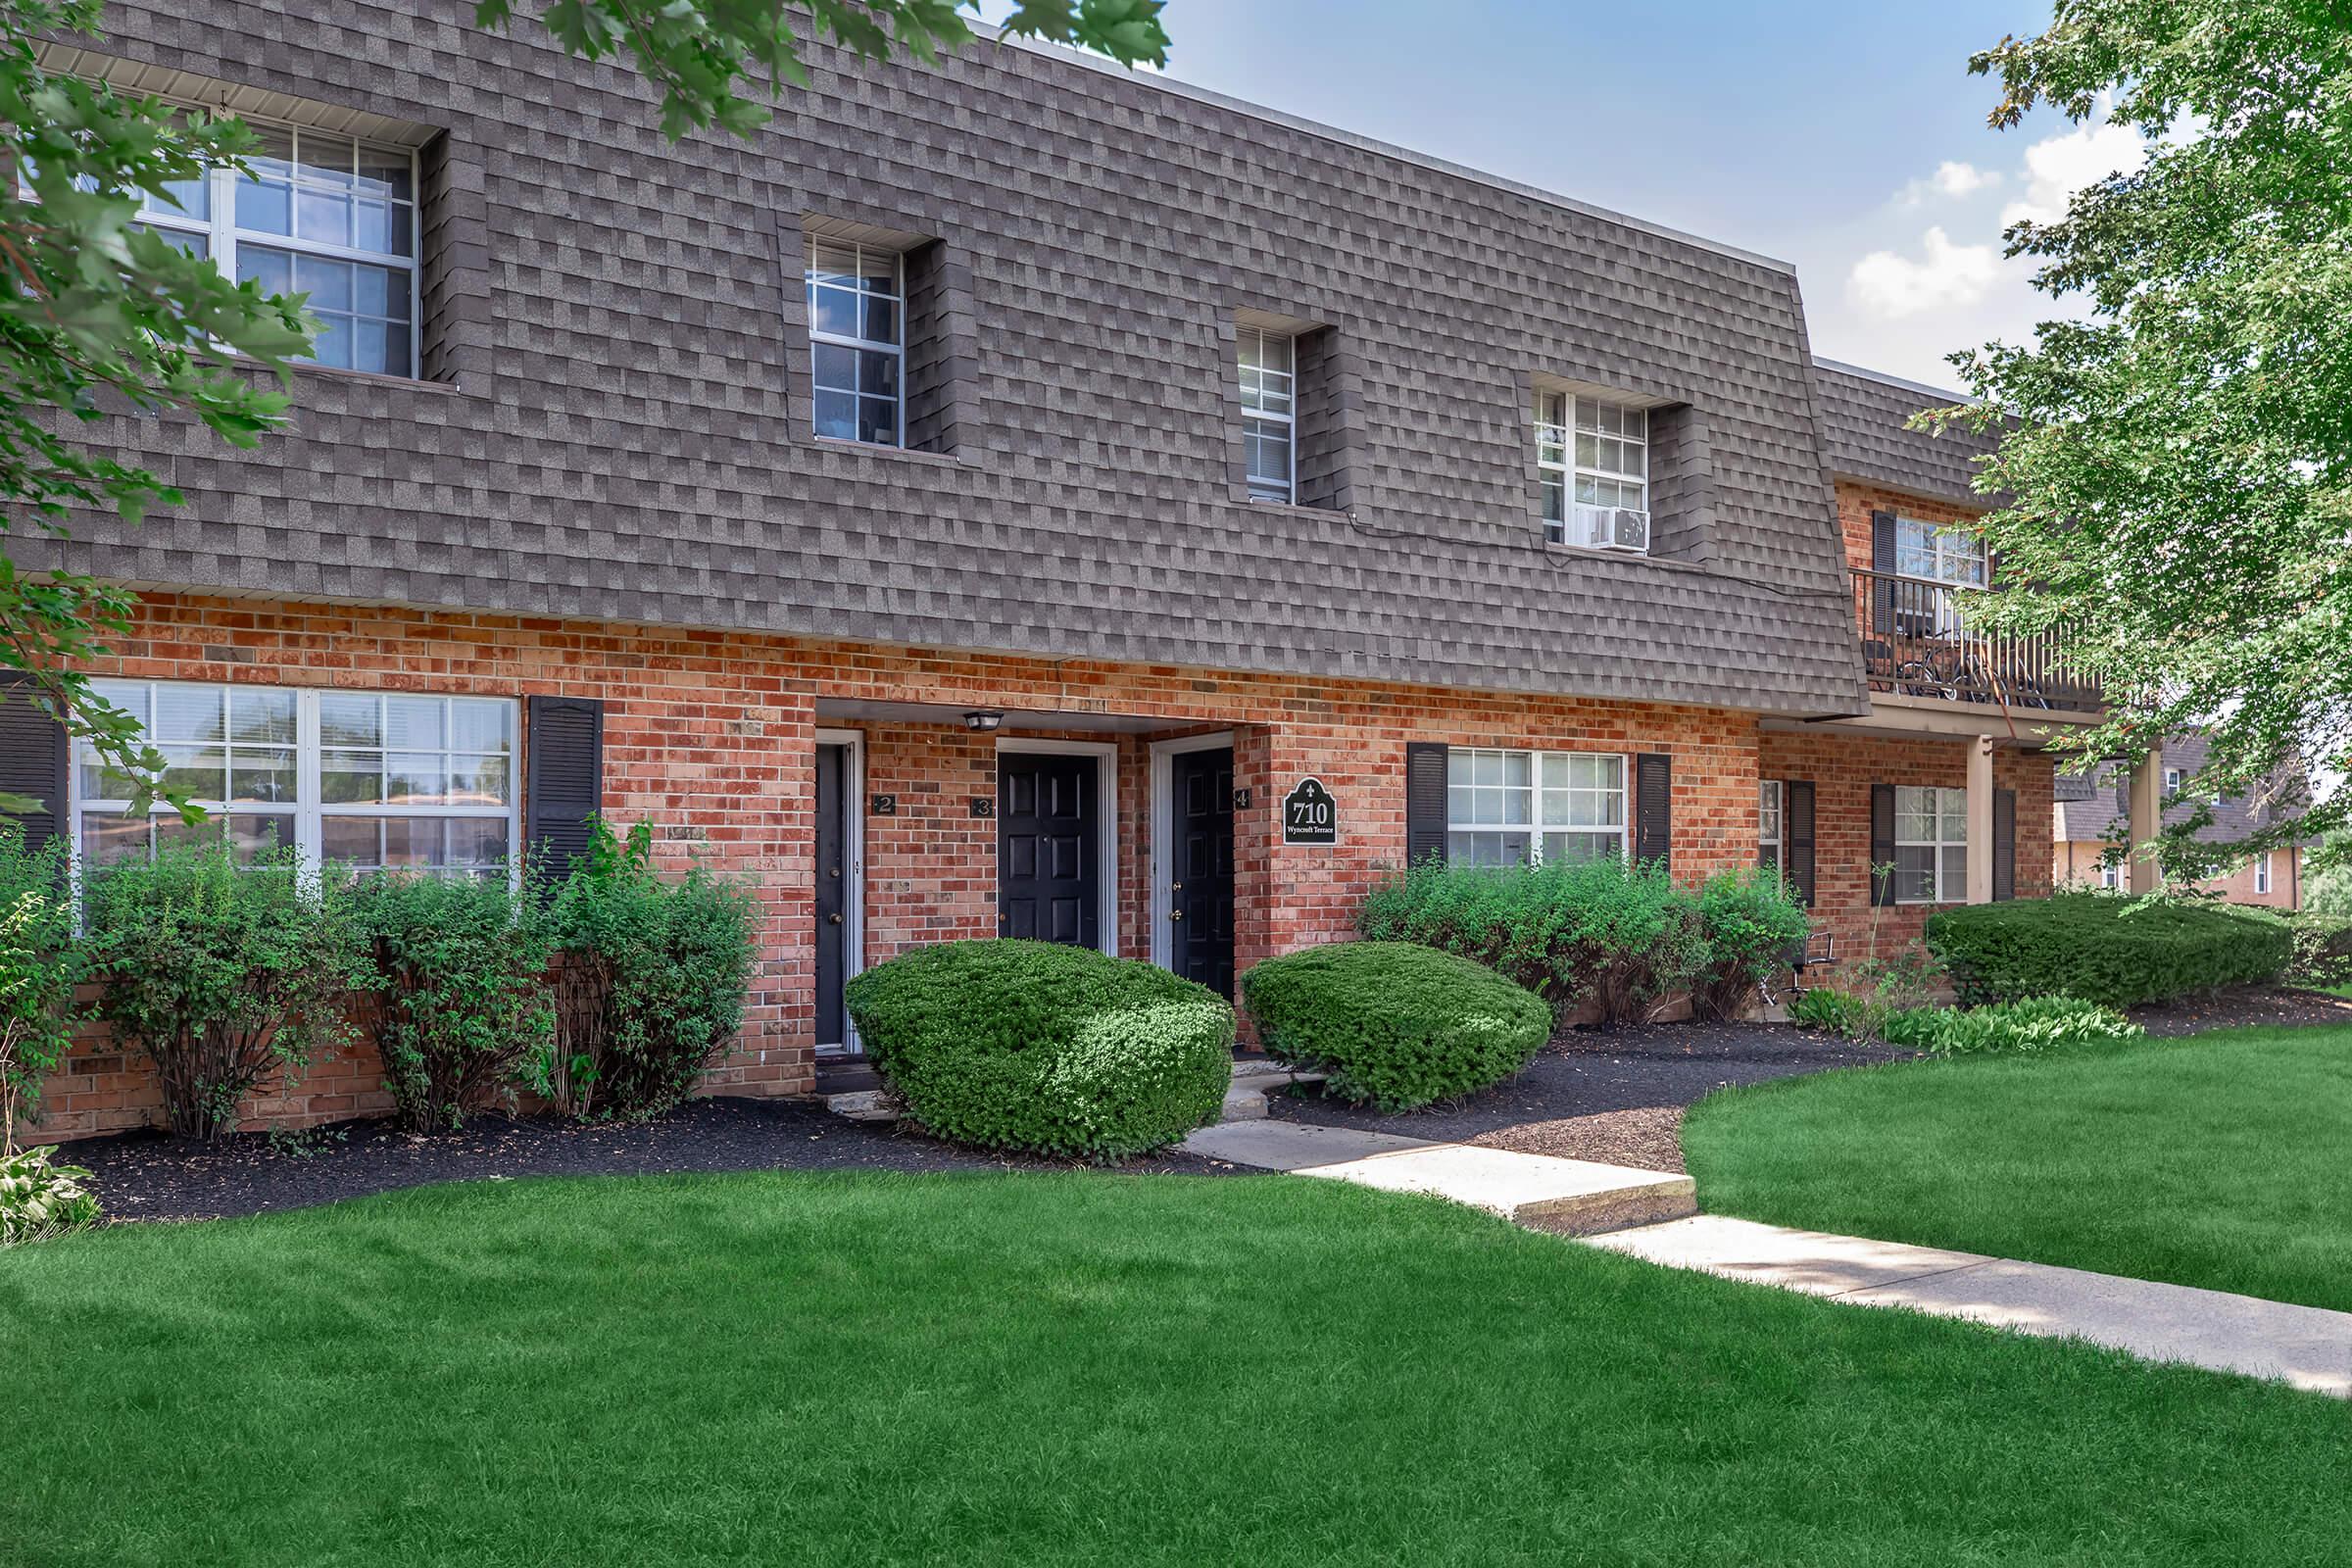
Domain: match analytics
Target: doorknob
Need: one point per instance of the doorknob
(834, 918)
(1175, 914)
(1175, 887)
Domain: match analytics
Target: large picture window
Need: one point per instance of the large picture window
(1507, 808)
(366, 778)
(1931, 845)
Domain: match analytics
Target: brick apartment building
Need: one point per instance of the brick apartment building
(1018, 495)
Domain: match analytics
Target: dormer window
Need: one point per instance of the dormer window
(857, 338)
(1269, 363)
(1593, 461)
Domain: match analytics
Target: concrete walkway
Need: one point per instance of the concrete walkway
(2303, 1346)
(1649, 1215)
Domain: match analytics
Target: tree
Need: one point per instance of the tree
(104, 317)
(2173, 479)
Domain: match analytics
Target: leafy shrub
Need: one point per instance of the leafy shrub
(1394, 1022)
(1839, 1013)
(1051, 1048)
(221, 973)
(2115, 950)
(650, 982)
(1603, 930)
(2322, 950)
(1745, 925)
(39, 1199)
(457, 998)
(39, 966)
(2036, 1023)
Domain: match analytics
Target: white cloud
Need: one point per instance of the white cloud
(1952, 178)
(1890, 286)
(2059, 165)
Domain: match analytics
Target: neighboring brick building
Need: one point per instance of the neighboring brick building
(1019, 496)
(2090, 829)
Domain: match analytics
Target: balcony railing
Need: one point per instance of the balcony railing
(1914, 643)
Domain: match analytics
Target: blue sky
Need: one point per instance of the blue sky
(1847, 137)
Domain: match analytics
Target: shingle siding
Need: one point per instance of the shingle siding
(627, 439)
(1864, 435)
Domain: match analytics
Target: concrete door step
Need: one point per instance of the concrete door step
(864, 1104)
(1567, 1196)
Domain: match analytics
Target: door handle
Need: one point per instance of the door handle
(1175, 887)
(1175, 914)
(834, 918)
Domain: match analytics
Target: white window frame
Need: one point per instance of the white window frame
(2172, 781)
(1559, 419)
(1536, 790)
(309, 811)
(1772, 817)
(1947, 549)
(1938, 892)
(1257, 390)
(2262, 874)
(863, 345)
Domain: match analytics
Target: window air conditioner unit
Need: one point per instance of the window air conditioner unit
(1624, 528)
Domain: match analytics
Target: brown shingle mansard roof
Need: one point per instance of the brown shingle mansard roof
(1863, 434)
(621, 433)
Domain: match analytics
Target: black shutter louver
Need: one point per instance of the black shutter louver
(2005, 845)
(1653, 807)
(1425, 802)
(33, 754)
(1882, 560)
(1881, 843)
(564, 783)
(1797, 833)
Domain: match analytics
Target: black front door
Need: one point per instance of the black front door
(1200, 872)
(1048, 848)
(832, 894)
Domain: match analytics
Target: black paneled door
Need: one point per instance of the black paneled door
(1048, 848)
(832, 894)
(1200, 879)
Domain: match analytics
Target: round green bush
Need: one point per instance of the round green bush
(1394, 1022)
(1040, 1046)
(2119, 951)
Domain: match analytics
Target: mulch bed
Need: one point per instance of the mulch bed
(1612, 1096)
(149, 1176)
(2268, 1006)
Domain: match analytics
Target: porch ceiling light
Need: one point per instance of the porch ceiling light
(983, 720)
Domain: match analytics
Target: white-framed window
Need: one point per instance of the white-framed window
(2262, 874)
(1931, 844)
(858, 342)
(1938, 553)
(2115, 876)
(1507, 808)
(369, 779)
(322, 215)
(1771, 839)
(1592, 459)
(2172, 781)
(1269, 365)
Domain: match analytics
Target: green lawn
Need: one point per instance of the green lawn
(2223, 1160)
(1067, 1369)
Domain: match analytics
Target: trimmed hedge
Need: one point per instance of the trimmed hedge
(1051, 1048)
(2119, 951)
(2322, 949)
(1394, 1022)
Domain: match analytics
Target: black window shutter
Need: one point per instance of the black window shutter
(1882, 560)
(1796, 832)
(2004, 844)
(1881, 843)
(564, 778)
(1653, 807)
(1425, 802)
(32, 758)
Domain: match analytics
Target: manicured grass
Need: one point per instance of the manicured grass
(2223, 1160)
(1067, 1369)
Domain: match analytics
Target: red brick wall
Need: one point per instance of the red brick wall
(1857, 502)
(1842, 768)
